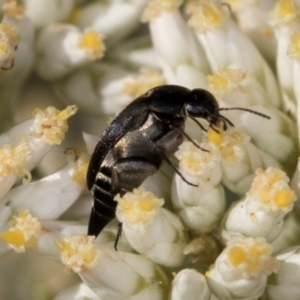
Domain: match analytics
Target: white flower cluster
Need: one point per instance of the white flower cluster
(220, 219)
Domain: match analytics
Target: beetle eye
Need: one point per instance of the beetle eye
(196, 110)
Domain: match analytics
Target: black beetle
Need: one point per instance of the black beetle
(146, 133)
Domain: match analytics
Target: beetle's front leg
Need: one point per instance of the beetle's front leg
(127, 174)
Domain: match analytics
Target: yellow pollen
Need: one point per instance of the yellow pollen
(13, 160)
(51, 124)
(156, 7)
(14, 237)
(23, 232)
(68, 112)
(284, 198)
(267, 31)
(275, 176)
(10, 32)
(93, 43)
(264, 194)
(192, 163)
(79, 175)
(78, 253)
(228, 152)
(294, 46)
(146, 205)
(215, 137)
(212, 15)
(13, 9)
(237, 255)
(217, 81)
(138, 208)
(252, 264)
(285, 8)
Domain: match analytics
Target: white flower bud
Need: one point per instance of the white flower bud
(261, 213)
(142, 217)
(289, 235)
(239, 158)
(236, 87)
(201, 207)
(114, 19)
(23, 232)
(61, 48)
(294, 55)
(285, 284)
(45, 129)
(186, 63)
(241, 270)
(190, 284)
(57, 191)
(137, 52)
(113, 274)
(22, 61)
(43, 12)
(8, 45)
(79, 292)
(260, 31)
(13, 164)
(215, 30)
(285, 19)
(93, 88)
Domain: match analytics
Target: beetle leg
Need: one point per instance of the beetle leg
(177, 171)
(198, 123)
(189, 138)
(119, 233)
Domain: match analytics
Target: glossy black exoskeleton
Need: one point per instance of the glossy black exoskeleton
(146, 133)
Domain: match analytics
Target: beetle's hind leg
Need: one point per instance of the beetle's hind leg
(177, 171)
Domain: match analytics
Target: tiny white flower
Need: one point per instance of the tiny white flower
(23, 232)
(78, 292)
(200, 207)
(23, 58)
(190, 284)
(142, 217)
(184, 64)
(58, 191)
(112, 274)
(262, 211)
(241, 270)
(114, 19)
(285, 17)
(78, 253)
(43, 12)
(214, 27)
(61, 48)
(239, 158)
(284, 284)
(8, 45)
(260, 31)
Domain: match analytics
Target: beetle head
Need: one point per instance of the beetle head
(202, 104)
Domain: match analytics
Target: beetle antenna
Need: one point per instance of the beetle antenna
(245, 109)
(198, 123)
